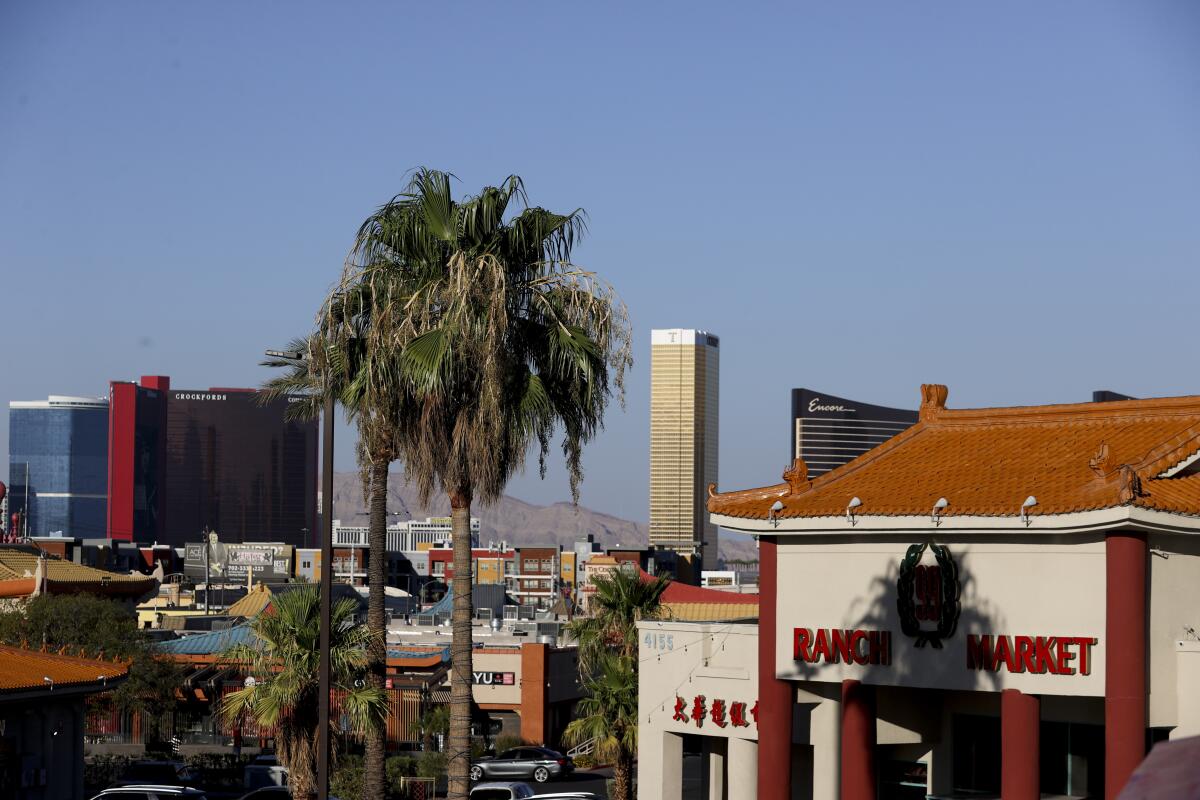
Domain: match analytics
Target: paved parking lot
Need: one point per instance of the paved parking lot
(579, 782)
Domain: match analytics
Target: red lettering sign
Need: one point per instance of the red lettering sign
(1037, 655)
(737, 715)
(838, 646)
(680, 710)
(698, 710)
(718, 713)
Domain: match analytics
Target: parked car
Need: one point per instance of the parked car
(497, 790)
(150, 792)
(264, 771)
(515, 790)
(273, 793)
(156, 773)
(539, 763)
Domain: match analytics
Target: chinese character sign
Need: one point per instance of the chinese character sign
(720, 712)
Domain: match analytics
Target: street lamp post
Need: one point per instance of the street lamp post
(326, 600)
(323, 676)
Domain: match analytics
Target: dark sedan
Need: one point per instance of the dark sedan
(537, 763)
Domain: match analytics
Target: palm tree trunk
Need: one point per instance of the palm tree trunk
(374, 771)
(460, 648)
(623, 777)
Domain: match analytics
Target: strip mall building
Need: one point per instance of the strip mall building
(995, 602)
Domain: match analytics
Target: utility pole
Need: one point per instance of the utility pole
(207, 561)
(324, 664)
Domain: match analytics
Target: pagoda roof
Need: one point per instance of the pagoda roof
(19, 564)
(1080, 457)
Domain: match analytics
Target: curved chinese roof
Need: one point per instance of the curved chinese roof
(24, 670)
(19, 576)
(1140, 454)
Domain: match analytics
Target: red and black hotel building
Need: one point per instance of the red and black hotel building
(182, 461)
(995, 602)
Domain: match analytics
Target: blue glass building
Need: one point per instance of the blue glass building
(58, 465)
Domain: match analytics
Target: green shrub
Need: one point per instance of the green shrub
(506, 741)
(219, 771)
(432, 765)
(400, 767)
(347, 778)
(586, 761)
(101, 771)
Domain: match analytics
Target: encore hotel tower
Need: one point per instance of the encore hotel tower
(684, 401)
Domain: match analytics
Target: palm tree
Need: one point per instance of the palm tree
(620, 599)
(338, 367)
(283, 665)
(495, 340)
(608, 715)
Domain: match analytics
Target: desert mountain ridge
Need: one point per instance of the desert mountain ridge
(511, 520)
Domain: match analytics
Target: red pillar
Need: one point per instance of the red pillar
(775, 699)
(1124, 658)
(1020, 766)
(122, 418)
(533, 693)
(858, 741)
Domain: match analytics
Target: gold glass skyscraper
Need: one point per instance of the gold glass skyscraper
(684, 404)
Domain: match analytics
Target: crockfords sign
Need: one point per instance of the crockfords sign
(198, 396)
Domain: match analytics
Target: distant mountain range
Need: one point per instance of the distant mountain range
(511, 520)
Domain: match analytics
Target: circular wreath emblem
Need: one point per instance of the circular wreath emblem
(928, 594)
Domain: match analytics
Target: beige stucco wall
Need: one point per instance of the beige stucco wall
(688, 659)
(1036, 585)
(1174, 607)
(498, 662)
(1187, 671)
(679, 659)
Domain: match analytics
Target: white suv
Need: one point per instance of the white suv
(150, 792)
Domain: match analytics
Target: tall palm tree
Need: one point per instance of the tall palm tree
(339, 367)
(496, 340)
(620, 598)
(283, 663)
(608, 666)
(608, 715)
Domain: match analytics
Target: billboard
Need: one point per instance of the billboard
(270, 562)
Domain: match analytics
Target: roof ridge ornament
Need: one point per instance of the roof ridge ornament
(1131, 485)
(933, 401)
(796, 477)
(1102, 462)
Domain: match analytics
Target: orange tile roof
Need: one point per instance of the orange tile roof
(710, 612)
(22, 670)
(985, 462)
(18, 563)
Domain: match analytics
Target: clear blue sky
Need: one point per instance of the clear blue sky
(857, 197)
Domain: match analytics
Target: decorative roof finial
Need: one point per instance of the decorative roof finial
(1131, 484)
(1102, 462)
(797, 477)
(933, 400)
